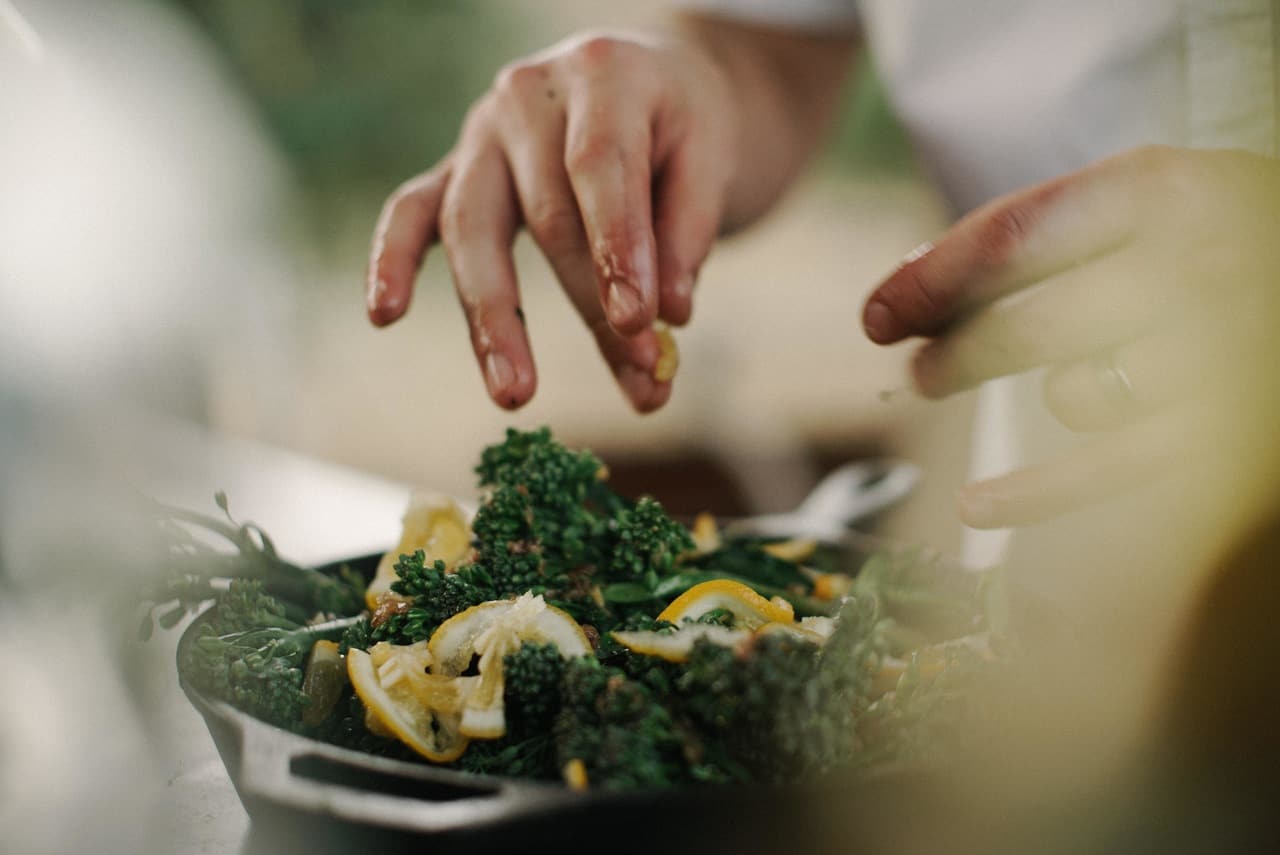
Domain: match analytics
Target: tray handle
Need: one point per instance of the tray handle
(280, 770)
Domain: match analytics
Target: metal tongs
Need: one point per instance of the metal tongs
(849, 494)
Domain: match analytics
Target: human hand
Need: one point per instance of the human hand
(1147, 283)
(616, 154)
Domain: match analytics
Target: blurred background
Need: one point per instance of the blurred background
(196, 204)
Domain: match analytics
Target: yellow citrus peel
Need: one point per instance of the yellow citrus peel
(433, 523)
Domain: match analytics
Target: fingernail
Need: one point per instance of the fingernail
(373, 294)
(624, 304)
(498, 370)
(878, 321)
(684, 287)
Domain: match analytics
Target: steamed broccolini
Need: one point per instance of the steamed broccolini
(251, 654)
(775, 708)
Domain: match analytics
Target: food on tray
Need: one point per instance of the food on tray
(567, 632)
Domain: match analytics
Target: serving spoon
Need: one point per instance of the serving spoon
(847, 495)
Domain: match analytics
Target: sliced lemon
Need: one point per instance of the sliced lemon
(676, 646)
(706, 534)
(831, 586)
(794, 550)
(814, 629)
(401, 699)
(491, 631)
(433, 523)
(749, 609)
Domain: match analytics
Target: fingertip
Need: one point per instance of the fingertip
(928, 374)
(657, 397)
(511, 381)
(879, 322)
(384, 303)
(644, 393)
(677, 302)
(977, 508)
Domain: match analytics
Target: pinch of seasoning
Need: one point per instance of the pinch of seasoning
(575, 775)
(668, 354)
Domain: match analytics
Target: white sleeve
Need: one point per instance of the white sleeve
(790, 14)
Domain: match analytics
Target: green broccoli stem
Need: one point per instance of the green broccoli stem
(194, 564)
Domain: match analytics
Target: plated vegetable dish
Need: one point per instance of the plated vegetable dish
(566, 633)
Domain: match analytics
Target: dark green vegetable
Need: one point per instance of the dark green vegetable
(774, 709)
(195, 571)
(251, 654)
(620, 731)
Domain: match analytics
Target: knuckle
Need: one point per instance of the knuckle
(1006, 229)
(589, 150)
(517, 79)
(476, 121)
(598, 51)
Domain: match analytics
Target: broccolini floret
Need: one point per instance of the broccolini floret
(623, 735)
(531, 693)
(646, 540)
(532, 679)
(251, 654)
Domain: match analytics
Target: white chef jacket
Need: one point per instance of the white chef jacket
(1002, 94)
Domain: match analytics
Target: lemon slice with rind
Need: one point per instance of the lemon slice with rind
(491, 631)
(677, 645)
(813, 629)
(433, 523)
(422, 710)
(749, 609)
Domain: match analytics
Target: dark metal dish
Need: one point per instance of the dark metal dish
(304, 795)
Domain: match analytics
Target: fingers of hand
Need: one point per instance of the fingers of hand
(690, 204)
(1011, 242)
(1120, 386)
(636, 362)
(534, 142)
(632, 359)
(1110, 464)
(1068, 316)
(406, 227)
(478, 223)
(607, 156)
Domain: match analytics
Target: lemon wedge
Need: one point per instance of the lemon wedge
(433, 523)
(401, 699)
(490, 631)
(677, 645)
(749, 609)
